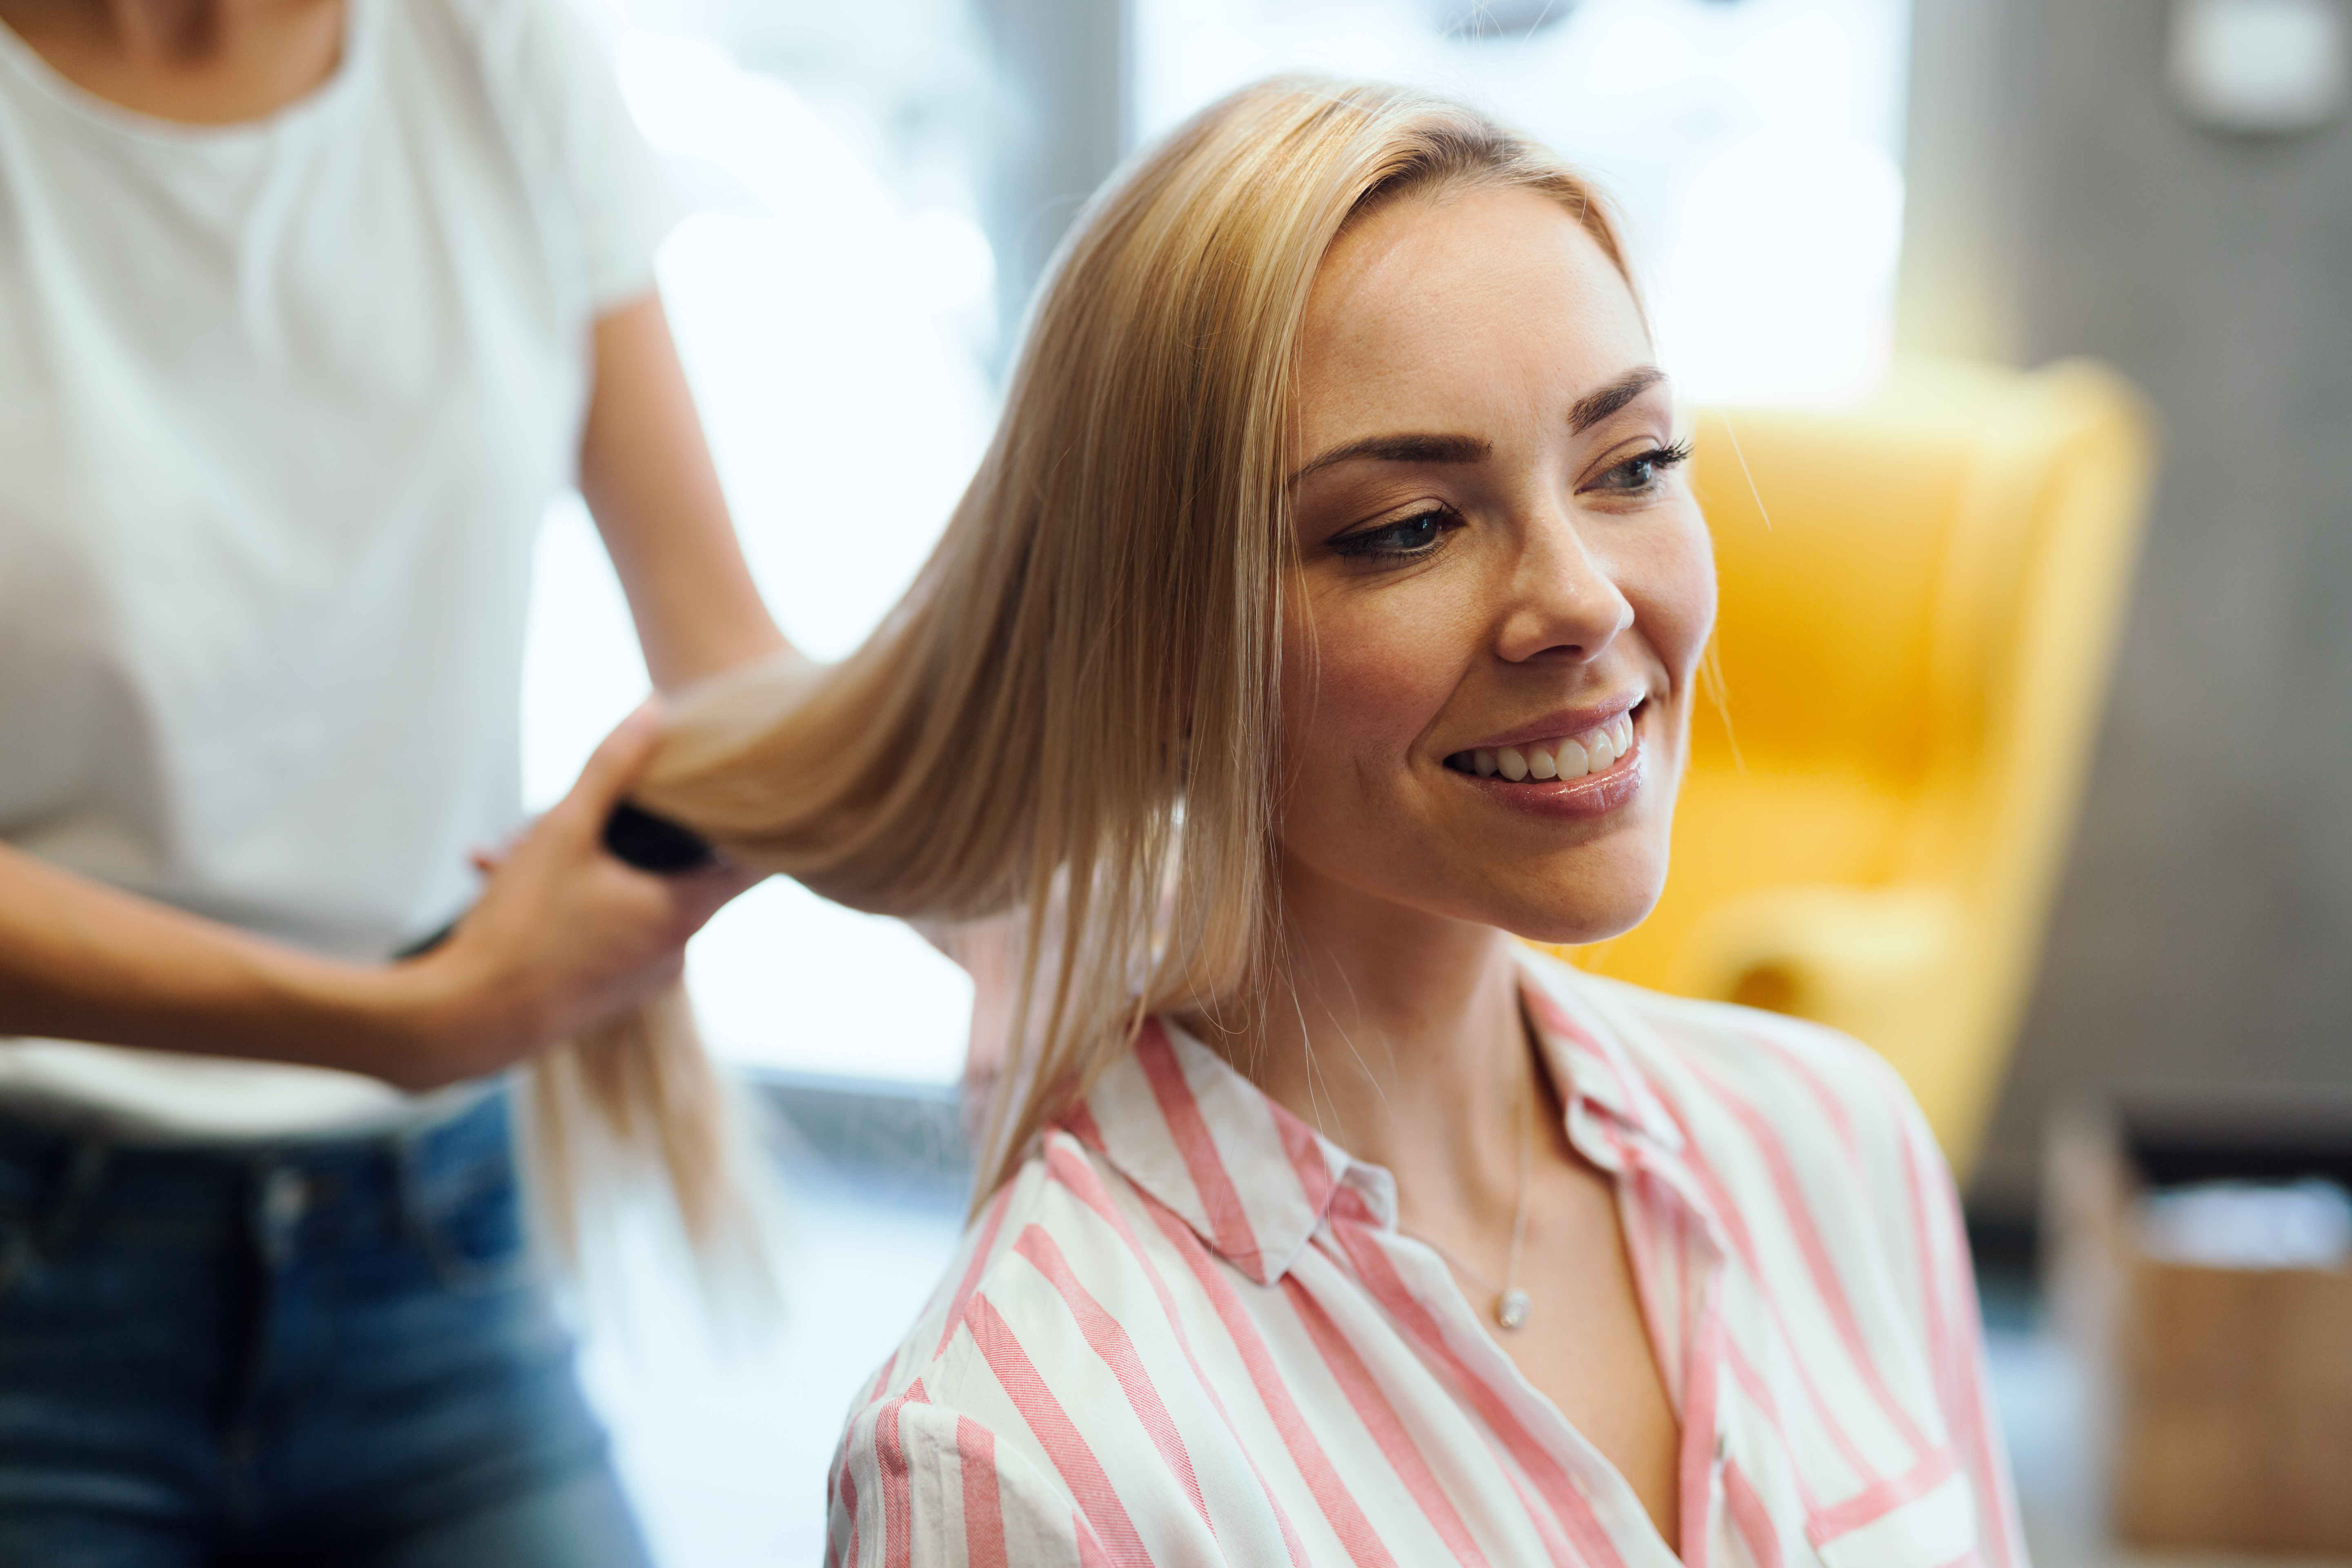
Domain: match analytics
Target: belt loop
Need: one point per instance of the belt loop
(408, 1158)
(80, 1170)
(282, 1197)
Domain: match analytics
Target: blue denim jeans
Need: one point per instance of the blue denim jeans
(329, 1352)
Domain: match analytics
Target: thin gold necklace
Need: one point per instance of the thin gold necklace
(1511, 1302)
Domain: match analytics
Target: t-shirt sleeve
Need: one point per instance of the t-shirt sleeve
(580, 140)
(918, 1484)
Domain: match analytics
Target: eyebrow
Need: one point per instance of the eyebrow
(1582, 414)
(1403, 449)
(1593, 408)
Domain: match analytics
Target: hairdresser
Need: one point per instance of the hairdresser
(307, 308)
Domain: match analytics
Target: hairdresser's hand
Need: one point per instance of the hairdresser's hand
(565, 937)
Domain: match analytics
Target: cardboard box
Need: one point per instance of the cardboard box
(2221, 1398)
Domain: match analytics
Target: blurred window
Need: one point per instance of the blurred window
(1753, 146)
(832, 296)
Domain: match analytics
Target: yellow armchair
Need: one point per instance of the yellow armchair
(1920, 602)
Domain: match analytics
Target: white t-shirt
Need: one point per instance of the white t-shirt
(281, 405)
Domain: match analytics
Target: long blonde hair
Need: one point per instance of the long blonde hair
(1072, 713)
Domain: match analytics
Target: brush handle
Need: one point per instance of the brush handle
(652, 843)
(632, 833)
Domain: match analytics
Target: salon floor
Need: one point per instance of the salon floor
(724, 1446)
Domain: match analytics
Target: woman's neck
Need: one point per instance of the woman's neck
(198, 62)
(1399, 1036)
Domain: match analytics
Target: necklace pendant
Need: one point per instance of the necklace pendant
(1511, 1308)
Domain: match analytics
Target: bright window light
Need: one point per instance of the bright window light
(1753, 146)
(833, 299)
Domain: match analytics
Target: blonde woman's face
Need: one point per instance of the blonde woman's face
(1507, 584)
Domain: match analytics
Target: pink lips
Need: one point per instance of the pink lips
(1591, 796)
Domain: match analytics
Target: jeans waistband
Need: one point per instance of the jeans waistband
(283, 1191)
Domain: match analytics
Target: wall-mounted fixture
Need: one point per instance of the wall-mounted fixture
(2259, 68)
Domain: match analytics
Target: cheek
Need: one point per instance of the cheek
(1364, 676)
(1674, 598)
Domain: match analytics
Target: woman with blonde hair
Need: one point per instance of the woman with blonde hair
(1326, 617)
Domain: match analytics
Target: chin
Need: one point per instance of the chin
(1577, 928)
(1590, 903)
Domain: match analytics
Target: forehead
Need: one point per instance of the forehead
(1435, 312)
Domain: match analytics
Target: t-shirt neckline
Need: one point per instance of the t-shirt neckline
(76, 109)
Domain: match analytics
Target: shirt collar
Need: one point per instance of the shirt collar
(1253, 1181)
(1582, 1034)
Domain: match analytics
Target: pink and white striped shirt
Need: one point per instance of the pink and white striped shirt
(1189, 1332)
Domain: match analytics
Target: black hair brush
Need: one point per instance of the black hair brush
(652, 843)
(633, 835)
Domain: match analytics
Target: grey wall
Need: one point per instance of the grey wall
(2062, 205)
(1065, 69)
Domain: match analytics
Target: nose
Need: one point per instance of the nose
(1563, 605)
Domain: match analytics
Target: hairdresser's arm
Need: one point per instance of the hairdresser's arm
(563, 937)
(647, 477)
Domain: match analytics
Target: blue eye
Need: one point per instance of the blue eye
(1401, 540)
(1645, 471)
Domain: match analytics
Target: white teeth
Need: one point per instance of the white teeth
(1594, 751)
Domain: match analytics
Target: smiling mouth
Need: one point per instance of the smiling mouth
(1594, 751)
